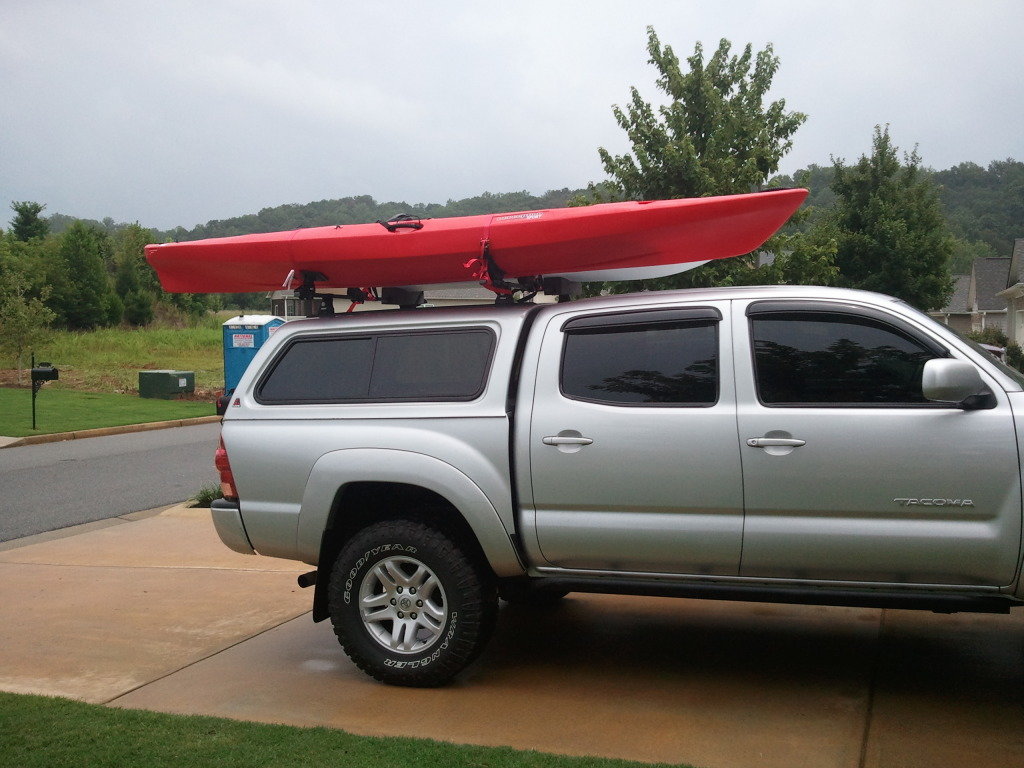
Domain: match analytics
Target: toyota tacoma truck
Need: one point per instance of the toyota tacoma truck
(786, 444)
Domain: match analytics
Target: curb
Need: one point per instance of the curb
(81, 434)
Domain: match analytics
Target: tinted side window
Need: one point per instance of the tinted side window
(449, 365)
(431, 365)
(827, 359)
(664, 364)
(320, 371)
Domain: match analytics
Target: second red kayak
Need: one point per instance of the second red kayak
(561, 241)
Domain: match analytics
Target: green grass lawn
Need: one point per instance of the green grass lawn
(38, 732)
(63, 410)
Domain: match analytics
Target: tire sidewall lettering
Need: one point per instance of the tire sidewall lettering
(417, 663)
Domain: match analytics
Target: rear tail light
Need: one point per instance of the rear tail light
(227, 480)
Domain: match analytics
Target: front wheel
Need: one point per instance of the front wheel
(408, 605)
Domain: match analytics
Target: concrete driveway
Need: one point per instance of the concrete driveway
(151, 611)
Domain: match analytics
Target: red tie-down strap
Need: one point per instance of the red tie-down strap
(486, 272)
(369, 294)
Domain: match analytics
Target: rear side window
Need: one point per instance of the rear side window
(431, 365)
(320, 371)
(656, 358)
(422, 366)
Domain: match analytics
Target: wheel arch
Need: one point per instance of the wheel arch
(381, 484)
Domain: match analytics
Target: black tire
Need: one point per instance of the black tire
(408, 605)
(524, 593)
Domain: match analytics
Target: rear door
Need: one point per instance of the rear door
(850, 474)
(633, 447)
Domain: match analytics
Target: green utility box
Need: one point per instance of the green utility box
(166, 385)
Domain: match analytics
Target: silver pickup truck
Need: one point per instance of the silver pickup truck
(787, 444)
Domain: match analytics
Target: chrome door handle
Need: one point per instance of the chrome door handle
(768, 442)
(559, 440)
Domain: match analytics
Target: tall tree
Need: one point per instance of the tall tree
(889, 227)
(27, 222)
(82, 295)
(716, 135)
(135, 282)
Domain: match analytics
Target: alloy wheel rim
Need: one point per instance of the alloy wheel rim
(403, 605)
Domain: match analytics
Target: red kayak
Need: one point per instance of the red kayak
(594, 240)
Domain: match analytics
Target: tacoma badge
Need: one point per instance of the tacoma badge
(934, 502)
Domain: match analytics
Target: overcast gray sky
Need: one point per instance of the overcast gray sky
(175, 113)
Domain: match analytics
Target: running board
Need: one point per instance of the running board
(850, 598)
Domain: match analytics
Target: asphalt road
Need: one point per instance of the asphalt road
(54, 485)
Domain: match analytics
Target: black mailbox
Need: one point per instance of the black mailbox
(40, 375)
(44, 372)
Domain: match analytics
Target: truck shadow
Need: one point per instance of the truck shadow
(648, 641)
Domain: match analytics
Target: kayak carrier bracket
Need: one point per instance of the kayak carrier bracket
(487, 272)
(307, 291)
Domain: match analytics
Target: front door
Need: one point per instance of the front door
(850, 474)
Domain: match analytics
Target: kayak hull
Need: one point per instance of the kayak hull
(599, 239)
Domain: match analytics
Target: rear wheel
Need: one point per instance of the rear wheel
(408, 605)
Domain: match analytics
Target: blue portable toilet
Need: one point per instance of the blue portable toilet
(243, 336)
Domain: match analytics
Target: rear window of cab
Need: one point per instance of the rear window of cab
(420, 366)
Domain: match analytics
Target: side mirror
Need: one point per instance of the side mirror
(951, 381)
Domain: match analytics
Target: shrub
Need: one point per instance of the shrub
(205, 496)
(1015, 357)
(991, 335)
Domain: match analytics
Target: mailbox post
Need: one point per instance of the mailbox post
(40, 375)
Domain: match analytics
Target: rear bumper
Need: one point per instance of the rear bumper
(227, 519)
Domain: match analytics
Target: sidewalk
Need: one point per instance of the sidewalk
(150, 611)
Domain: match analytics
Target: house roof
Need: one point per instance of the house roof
(990, 276)
(958, 302)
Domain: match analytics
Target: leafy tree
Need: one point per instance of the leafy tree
(27, 224)
(135, 282)
(715, 136)
(817, 179)
(191, 305)
(138, 308)
(81, 291)
(890, 232)
(24, 320)
(113, 309)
